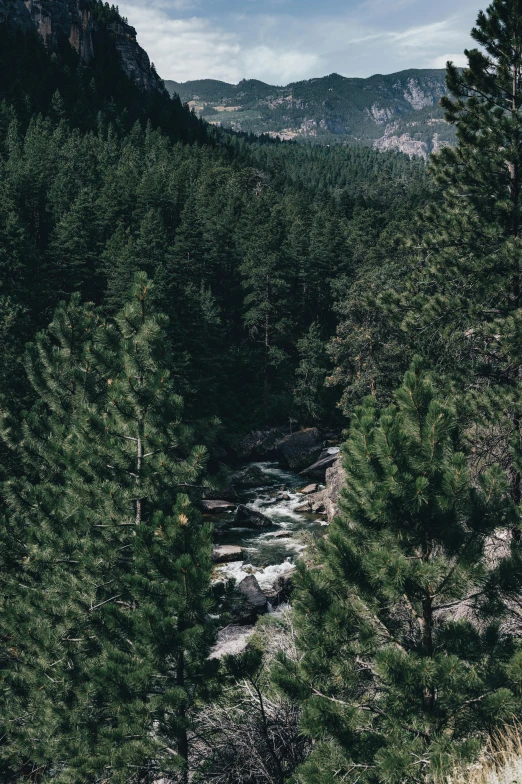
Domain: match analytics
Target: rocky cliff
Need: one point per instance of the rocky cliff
(76, 20)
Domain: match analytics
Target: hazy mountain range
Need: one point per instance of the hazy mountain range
(398, 111)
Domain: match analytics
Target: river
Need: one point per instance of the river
(271, 552)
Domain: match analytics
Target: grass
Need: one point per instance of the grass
(501, 762)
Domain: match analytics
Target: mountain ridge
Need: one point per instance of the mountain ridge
(388, 111)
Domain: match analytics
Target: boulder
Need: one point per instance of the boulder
(248, 477)
(249, 518)
(318, 469)
(335, 479)
(216, 507)
(250, 602)
(300, 449)
(226, 553)
(309, 489)
(261, 444)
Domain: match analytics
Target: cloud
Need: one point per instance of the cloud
(460, 60)
(281, 47)
(184, 49)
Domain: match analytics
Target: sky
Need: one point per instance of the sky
(282, 41)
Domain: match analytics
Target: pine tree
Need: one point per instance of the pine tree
(406, 660)
(123, 556)
(463, 304)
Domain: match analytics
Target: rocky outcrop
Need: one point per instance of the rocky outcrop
(314, 503)
(327, 501)
(52, 18)
(74, 20)
(318, 469)
(249, 518)
(335, 479)
(309, 489)
(250, 601)
(248, 477)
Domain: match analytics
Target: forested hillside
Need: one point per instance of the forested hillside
(224, 357)
(398, 112)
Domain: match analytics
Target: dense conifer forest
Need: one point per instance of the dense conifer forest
(170, 292)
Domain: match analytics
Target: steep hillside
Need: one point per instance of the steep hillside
(78, 21)
(80, 60)
(398, 111)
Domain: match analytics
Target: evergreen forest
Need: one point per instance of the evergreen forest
(189, 315)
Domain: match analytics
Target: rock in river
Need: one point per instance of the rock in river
(216, 507)
(227, 553)
(249, 518)
(309, 489)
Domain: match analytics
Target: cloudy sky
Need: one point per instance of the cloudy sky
(280, 41)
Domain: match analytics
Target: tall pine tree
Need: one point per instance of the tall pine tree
(406, 662)
(463, 304)
(120, 558)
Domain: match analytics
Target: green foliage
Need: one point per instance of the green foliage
(113, 560)
(406, 661)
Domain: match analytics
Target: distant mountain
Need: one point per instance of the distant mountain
(398, 111)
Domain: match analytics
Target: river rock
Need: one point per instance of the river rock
(251, 519)
(300, 449)
(309, 489)
(227, 553)
(318, 469)
(251, 476)
(216, 507)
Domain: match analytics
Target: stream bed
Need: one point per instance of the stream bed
(268, 553)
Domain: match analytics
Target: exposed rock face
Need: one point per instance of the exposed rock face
(261, 444)
(74, 19)
(252, 476)
(135, 60)
(335, 479)
(249, 588)
(318, 470)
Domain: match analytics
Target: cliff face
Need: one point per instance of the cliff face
(75, 20)
(135, 60)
